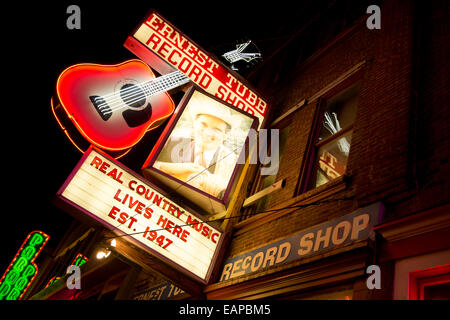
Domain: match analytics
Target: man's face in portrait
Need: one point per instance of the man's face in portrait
(209, 131)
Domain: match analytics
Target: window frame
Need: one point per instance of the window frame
(257, 184)
(321, 103)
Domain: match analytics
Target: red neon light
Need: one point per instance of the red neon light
(427, 277)
(78, 84)
(66, 132)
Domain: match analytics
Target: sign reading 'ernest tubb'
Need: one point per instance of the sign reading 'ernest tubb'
(110, 193)
(346, 229)
(169, 44)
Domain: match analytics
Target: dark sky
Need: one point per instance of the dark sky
(37, 46)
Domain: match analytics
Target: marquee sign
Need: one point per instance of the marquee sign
(22, 270)
(157, 35)
(124, 202)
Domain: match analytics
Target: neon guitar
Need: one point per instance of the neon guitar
(113, 106)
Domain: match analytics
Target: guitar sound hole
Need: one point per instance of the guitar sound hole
(132, 95)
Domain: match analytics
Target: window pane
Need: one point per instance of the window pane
(340, 112)
(437, 292)
(268, 180)
(331, 160)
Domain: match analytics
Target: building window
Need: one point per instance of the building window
(264, 181)
(430, 284)
(332, 146)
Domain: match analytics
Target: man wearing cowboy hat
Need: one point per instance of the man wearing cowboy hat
(202, 161)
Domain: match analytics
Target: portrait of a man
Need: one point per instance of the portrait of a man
(203, 148)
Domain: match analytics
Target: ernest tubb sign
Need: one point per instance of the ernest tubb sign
(168, 43)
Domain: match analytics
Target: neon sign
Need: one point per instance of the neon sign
(22, 270)
(157, 40)
(113, 106)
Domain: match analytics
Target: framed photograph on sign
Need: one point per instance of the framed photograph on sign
(199, 153)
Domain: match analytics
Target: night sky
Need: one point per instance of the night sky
(37, 46)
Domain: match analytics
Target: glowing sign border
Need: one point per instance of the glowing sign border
(30, 261)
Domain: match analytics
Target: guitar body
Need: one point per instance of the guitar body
(107, 104)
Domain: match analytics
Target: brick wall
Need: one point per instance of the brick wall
(401, 139)
(379, 166)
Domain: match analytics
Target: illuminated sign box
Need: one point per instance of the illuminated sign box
(130, 206)
(200, 153)
(165, 48)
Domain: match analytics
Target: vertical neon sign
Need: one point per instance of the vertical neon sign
(22, 270)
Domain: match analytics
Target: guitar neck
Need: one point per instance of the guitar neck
(165, 83)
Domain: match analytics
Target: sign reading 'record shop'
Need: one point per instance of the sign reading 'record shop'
(122, 201)
(346, 229)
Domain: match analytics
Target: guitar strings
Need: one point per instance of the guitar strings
(119, 104)
(132, 91)
(175, 73)
(149, 88)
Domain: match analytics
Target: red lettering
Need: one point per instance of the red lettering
(112, 213)
(140, 189)
(184, 235)
(153, 39)
(184, 65)
(165, 204)
(139, 207)
(229, 99)
(132, 220)
(164, 49)
(132, 203)
(205, 231)
(169, 58)
(96, 162)
(252, 98)
(123, 217)
(148, 213)
(196, 72)
(130, 183)
(177, 231)
(161, 220)
(169, 225)
(157, 200)
(116, 196)
(171, 209)
(103, 167)
(205, 81)
(221, 91)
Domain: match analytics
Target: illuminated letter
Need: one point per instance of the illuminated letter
(73, 21)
